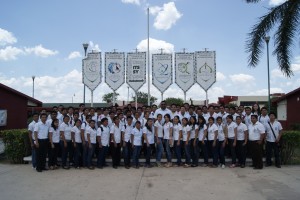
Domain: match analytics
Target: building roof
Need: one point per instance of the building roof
(287, 95)
(31, 101)
(75, 105)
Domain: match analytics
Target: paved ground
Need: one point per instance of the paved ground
(21, 182)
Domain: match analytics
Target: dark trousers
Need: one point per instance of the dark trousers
(257, 154)
(204, 150)
(178, 151)
(148, 153)
(193, 153)
(232, 151)
(196, 151)
(127, 151)
(187, 153)
(66, 151)
(41, 154)
(53, 152)
(116, 154)
(136, 154)
(222, 152)
(214, 151)
(85, 148)
(241, 151)
(78, 155)
(270, 147)
(90, 154)
(101, 156)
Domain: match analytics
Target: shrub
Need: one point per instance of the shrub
(291, 141)
(17, 144)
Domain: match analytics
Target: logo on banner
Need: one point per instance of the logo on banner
(185, 75)
(206, 72)
(162, 74)
(114, 70)
(136, 70)
(90, 71)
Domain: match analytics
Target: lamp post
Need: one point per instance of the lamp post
(85, 47)
(73, 97)
(33, 77)
(148, 52)
(267, 39)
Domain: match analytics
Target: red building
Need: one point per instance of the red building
(13, 105)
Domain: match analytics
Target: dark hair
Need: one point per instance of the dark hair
(177, 117)
(138, 122)
(147, 125)
(219, 118)
(273, 113)
(129, 117)
(258, 109)
(168, 116)
(43, 114)
(201, 125)
(53, 112)
(233, 108)
(104, 119)
(186, 119)
(255, 116)
(195, 122)
(263, 108)
(77, 121)
(35, 114)
(52, 124)
(82, 104)
(238, 117)
(230, 117)
(66, 116)
(211, 118)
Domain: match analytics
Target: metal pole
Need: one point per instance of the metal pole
(184, 96)
(206, 98)
(114, 98)
(162, 96)
(85, 46)
(33, 77)
(148, 46)
(92, 98)
(267, 39)
(128, 95)
(135, 99)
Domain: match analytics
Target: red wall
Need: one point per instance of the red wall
(293, 109)
(16, 107)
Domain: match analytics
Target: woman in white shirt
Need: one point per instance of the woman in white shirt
(168, 138)
(202, 137)
(115, 132)
(232, 135)
(148, 132)
(193, 141)
(54, 136)
(77, 143)
(186, 132)
(136, 138)
(222, 137)
(66, 142)
(158, 129)
(91, 138)
(213, 140)
(177, 135)
(242, 139)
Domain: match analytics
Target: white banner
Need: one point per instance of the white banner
(91, 70)
(3, 117)
(184, 70)
(162, 71)
(205, 62)
(136, 70)
(114, 69)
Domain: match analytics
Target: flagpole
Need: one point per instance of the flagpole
(148, 56)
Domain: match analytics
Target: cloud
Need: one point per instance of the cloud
(166, 16)
(94, 47)
(296, 67)
(220, 76)
(6, 37)
(276, 2)
(40, 51)
(264, 92)
(241, 78)
(137, 2)
(155, 46)
(73, 55)
(10, 53)
(277, 73)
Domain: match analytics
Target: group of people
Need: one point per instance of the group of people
(185, 131)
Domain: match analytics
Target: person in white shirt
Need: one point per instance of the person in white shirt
(247, 118)
(66, 142)
(163, 110)
(256, 131)
(84, 127)
(115, 132)
(222, 137)
(202, 138)
(264, 118)
(158, 127)
(186, 132)
(103, 135)
(232, 136)
(177, 135)
(232, 112)
(212, 132)
(127, 143)
(182, 114)
(94, 116)
(242, 139)
(71, 117)
(53, 116)
(148, 132)
(136, 138)
(54, 137)
(91, 139)
(77, 143)
(168, 138)
(173, 111)
(35, 119)
(223, 114)
(41, 131)
(273, 134)
(194, 151)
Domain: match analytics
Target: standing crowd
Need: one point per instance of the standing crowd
(185, 131)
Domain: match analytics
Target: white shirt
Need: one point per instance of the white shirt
(221, 135)
(92, 132)
(95, 118)
(201, 132)
(241, 128)
(176, 130)
(149, 134)
(276, 128)
(185, 131)
(77, 134)
(42, 130)
(211, 131)
(255, 130)
(31, 128)
(167, 127)
(193, 131)
(116, 131)
(60, 117)
(163, 113)
(126, 129)
(66, 128)
(85, 126)
(185, 115)
(247, 120)
(49, 122)
(224, 115)
(159, 129)
(137, 139)
(231, 128)
(104, 133)
(264, 120)
(55, 135)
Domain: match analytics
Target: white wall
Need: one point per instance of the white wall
(282, 110)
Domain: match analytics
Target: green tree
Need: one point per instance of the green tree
(142, 97)
(172, 100)
(285, 18)
(108, 98)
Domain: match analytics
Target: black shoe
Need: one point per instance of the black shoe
(115, 167)
(242, 166)
(105, 165)
(127, 167)
(278, 166)
(39, 170)
(45, 169)
(257, 168)
(193, 165)
(268, 165)
(66, 167)
(100, 167)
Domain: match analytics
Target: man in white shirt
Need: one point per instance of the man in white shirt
(247, 118)
(256, 131)
(223, 114)
(35, 119)
(182, 114)
(273, 134)
(173, 111)
(127, 144)
(163, 110)
(264, 118)
(103, 135)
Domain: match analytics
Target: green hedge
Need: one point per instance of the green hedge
(291, 142)
(17, 144)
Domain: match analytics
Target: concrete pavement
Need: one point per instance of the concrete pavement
(22, 182)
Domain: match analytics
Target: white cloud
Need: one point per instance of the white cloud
(277, 73)
(10, 53)
(276, 2)
(264, 92)
(40, 51)
(137, 2)
(155, 46)
(220, 76)
(241, 78)
(166, 16)
(6, 37)
(73, 55)
(296, 67)
(94, 47)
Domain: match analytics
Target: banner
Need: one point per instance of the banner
(162, 71)
(184, 70)
(136, 70)
(205, 62)
(3, 117)
(114, 69)
(91, 70)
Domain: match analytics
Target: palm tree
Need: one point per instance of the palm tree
(287, 17)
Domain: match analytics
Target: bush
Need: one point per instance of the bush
(291, 141)
(17, 144)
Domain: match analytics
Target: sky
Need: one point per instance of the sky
(44, 39)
